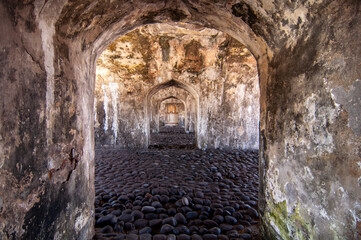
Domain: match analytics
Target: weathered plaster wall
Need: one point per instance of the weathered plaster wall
(219, 68)
(312, 144)
(43, 174)
(308, 56)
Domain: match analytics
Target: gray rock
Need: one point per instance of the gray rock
(140, 223)
(148, 209)
(126, 218)
(109, 219)
(166, 229)
(132, 236)
(191, 215)
(160, 237)
(179, 217)
(155, 222)
(183, 237)
(170, 221)
(145, 230)
(230, 220)
(210, 236)
(146, 236)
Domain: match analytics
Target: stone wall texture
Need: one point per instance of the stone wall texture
(221, 70)
(308, 56)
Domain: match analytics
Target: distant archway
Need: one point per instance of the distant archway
(154, 90)
(158, 106)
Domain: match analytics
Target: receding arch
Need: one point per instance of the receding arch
(167, 84)
(159, 102)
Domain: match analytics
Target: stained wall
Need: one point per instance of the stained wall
(308, 57)
(221, 70)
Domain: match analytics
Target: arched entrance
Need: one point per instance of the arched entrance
(171, 83)
(307, 54)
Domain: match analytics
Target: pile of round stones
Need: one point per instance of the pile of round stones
(176, 194)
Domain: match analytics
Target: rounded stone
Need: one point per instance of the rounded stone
(129, 226)
(171, 237)
(183, 237)
(146, 236)
(155, 222)
(126, 218)
(140, 223)
(106, 229)
(150, 216)
(199, 194)
(223, 237)
(196, 237)
(170, 221)
(252, 212)
(226, 227)
(148, 209)
(160, 237)
(172, 211)
(109, 219)
(182, 230)
(166, 229)
(132, 236)
(215, 230)
(229, 209)
(209, 236)
(137, 214)
(193, 229)
(180, 218)
(245, 236)
(119, 236)
(218, 219)
(191, 215)
(157, 204)
(145, 230)
(210, 223)
(230, 220)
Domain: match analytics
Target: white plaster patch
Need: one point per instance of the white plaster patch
(114, 92)
(359, 164)
(324, 214)
(2, 155)
(81, 221)
(211, 74)
(106, 106)
(316, 121)
(308, 174)
(47, 35)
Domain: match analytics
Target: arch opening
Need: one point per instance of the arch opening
(308, 64)
(215, 91)
(192, 104)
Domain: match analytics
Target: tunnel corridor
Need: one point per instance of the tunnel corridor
(85, 85)
(201, 91)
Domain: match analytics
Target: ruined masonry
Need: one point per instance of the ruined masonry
(269, 86)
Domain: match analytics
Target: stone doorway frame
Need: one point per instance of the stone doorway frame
(148, 105)
(157, 107)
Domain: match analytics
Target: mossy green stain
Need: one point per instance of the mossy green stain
(292, 226)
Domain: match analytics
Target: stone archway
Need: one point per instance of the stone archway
(308, 58)
(155, 89)
(158, 105)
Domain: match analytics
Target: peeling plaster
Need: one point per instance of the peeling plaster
(106, 106)
(114, 92)
(351, 102)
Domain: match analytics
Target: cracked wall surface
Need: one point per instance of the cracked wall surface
(308, 57)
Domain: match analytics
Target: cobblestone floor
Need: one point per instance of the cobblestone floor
(176, 194)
